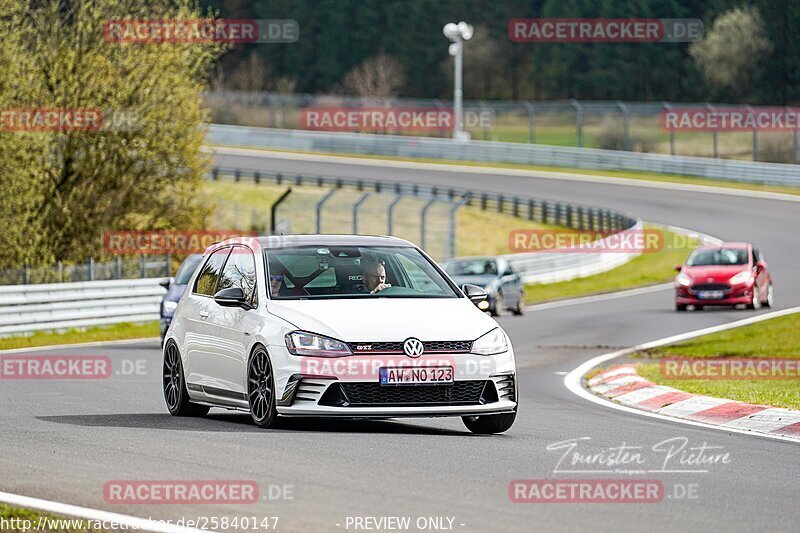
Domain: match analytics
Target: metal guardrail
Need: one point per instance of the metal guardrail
(504, 152)
(612, 124)
(54, 306)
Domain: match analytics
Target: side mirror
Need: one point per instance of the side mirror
(508, 272)
(761, 265)
(166, 282)
(474, 293)
(231, 297)
(678, 268)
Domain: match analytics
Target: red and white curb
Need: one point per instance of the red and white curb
(624, 385)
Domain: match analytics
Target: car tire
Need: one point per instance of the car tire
(261, 389)
(489, 424)
(174, 385)
(519, 310)
(498, 307)
(755, 304)
(680, 307)
(770, 301)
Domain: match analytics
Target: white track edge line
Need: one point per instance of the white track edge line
(86, 513)
(573, 380)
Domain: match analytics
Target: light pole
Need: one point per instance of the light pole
(458, 33)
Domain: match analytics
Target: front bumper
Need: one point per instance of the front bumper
(736, 295)
(477, 389)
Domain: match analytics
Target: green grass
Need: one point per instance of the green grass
(646, 269)
(15, 515)
(650, 176)
(72, 336)
(776, 338)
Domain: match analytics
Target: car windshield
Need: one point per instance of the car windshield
(719, 256)
(472, 267)
(319, 272)
(187, 268)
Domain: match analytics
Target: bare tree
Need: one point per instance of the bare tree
(380, 76)
(730, 53)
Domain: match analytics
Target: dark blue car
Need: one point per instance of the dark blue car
(175, 287)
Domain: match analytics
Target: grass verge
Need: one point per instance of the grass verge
(73, 336)
(778, 338)
(646, 269)
(20, 520)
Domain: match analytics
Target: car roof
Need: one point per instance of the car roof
(290, 241)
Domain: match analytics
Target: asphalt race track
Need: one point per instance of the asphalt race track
(64, 440)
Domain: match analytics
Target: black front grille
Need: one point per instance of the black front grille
(397, 347)
(711, 287)
(377, 395)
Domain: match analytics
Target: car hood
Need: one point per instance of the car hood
(714, 273)
(387, 319)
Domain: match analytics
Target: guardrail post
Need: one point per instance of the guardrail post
(627, 138)
(484, 201)
(319, 206)
(117, 267)
(168, 260)
(530, 209)
(578, 120)
(531, 122)
(390, 215)
(273, 211)
(257, 177)
(143, 266)
(26, 275)
(668, 108)
(452, 233)
(558, 220)
(91, 268)
(545, 207)
(716, 132)
(356, 205)
(215, 174)
(755, 135)
(515, 206)
(570, 222)
(423, 219)
(500, 201)
(61, 271)
(581, 216)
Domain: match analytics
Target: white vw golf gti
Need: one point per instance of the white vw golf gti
(335, 326)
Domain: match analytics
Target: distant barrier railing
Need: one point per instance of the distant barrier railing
(505, 152)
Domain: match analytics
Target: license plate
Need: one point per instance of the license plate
(710, 295)
(416, 376)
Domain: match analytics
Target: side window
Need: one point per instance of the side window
(240, 271)
(755, 256)
(207, 279)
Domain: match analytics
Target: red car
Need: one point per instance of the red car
(731, 273)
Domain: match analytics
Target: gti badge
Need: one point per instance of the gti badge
(413, 347)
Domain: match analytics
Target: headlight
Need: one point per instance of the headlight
(304, 343)
(491, 343)
(168, 307)
(684, 279)
(742, 277)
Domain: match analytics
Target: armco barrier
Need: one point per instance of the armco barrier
(52, 306)
(504, 152)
